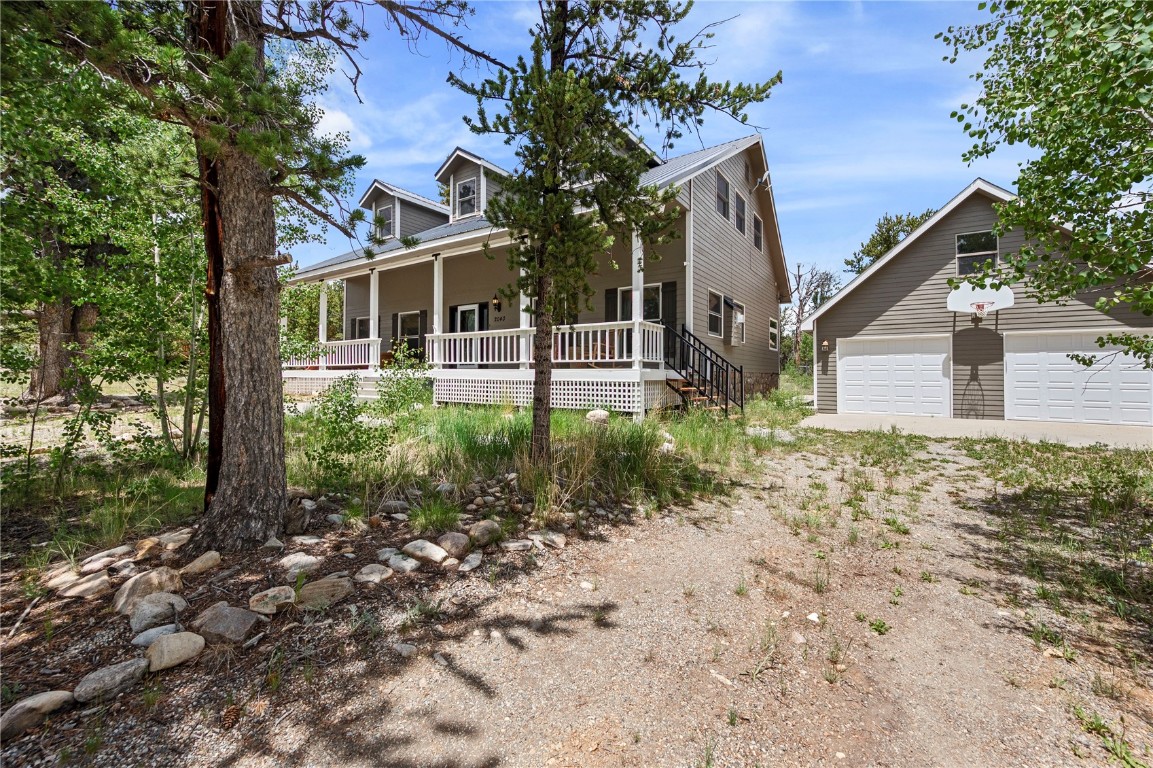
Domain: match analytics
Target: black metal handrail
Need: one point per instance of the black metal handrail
(707, 372)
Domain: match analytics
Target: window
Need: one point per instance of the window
(384, 222)
(716, 314)
(651, 301)
(466, 198)
(974, 249)
(358, 328)
(774, 335)
(409, 330)
(738, 323)
(739, 211)
(758, 233)
(722, 195)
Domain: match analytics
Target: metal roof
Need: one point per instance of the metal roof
(403, 194)
(680, 169)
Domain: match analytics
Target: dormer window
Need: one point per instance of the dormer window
(384, 228)
(466, 197)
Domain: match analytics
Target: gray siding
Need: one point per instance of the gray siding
(724, 260)
(907, 296)
(415, 219)
(492, 187)
(474, 279)
(666, 264)
(462, 170)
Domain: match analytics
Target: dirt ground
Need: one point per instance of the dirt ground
(764, 628)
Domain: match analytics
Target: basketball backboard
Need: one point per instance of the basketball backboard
(972, 300)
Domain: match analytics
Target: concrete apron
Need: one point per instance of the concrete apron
(1067, 433)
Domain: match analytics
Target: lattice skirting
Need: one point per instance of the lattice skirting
(619, 396)
(307, 386)
(657, 395)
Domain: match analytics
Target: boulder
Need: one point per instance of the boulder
(88, 587)
(425, 551)
(299, 562)
(318, 595)
(170, 650)
(224, 624)
(516, 545)
(273, 543)
(156, 609)
(598, 416)
(455, 544)
(205, 562)
(61, 576)
(470, 563)
(337, 520)
(393, 507)
(272, 600)
(403, 563)
(162, 579)
(107, 682)
(373, 573)
(148, 636)
(30, 712)
(173, 541)
(485, 532)
(148, 547)
(385, 553)
(97, 565)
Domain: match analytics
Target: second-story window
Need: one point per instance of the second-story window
(466, 197)
(739, 210)
(722, 195)
(974, 250)
(758, 233)
(384, 222)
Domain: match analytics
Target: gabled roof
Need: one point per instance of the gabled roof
(979, 186)
(458, 152)
(680, 169)
(403, 194)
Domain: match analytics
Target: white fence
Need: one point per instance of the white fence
(356, 353)
(590, 344)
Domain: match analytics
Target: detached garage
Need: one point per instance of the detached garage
(890, 343)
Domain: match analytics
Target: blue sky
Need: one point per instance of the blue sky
(859, 127)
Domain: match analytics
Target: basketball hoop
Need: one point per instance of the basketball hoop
(981, 308)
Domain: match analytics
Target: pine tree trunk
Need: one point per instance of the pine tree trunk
(53, 321)
(248, 503)
(541, 451)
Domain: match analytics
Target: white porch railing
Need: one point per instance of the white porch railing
(586, 343)
(355, 353)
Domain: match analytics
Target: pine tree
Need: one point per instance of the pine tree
(595, 74)
(890, 230)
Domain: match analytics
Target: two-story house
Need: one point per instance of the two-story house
(699, 324)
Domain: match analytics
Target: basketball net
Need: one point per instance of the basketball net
(981, 308)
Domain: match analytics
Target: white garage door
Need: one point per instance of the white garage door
(907, 376)
(1043, 384)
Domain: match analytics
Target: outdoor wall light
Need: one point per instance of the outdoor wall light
(496, 305)
(824, 345)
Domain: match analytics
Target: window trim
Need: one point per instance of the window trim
(475, 197)
(740, 213)
(758, 233)
(774, 335)
(710, 314)
(376, 214)
(719, 202)
(354, 326)
(400, 324)
(628, 289)
(957, 255)
(739, 308)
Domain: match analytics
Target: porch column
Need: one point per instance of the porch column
(322, 324)
(638, 267)
(433, 353)
(374, 316)
(525, 322)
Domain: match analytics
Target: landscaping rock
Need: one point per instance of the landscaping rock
(173, 541)
(296, 493)
(598, 416)
(162, 579)
(554, 539)
(148, 636)
(373, 573)
(403, 563)
(386, 553)
(156, 609)
(30, 712)
(517, 545)
(88, 587)
(449, 564)
(272, 600)
(405, 649)
(205, 562)
(170, 650)
(297, 518)
(273, 543)
(455, 544)
(425, 551)
(305, 541)
(318, 595)
(116, 553)
(224, 624)
(470, 563)
(484, 532)
(337, 520)
(446, 489)
(393, 506)
(308, 505)
(148, 547)
(400, 517)
(299, 562)
(108, 682)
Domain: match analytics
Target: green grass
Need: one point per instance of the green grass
(434, 515)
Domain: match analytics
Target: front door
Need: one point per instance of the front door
(466, 319)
